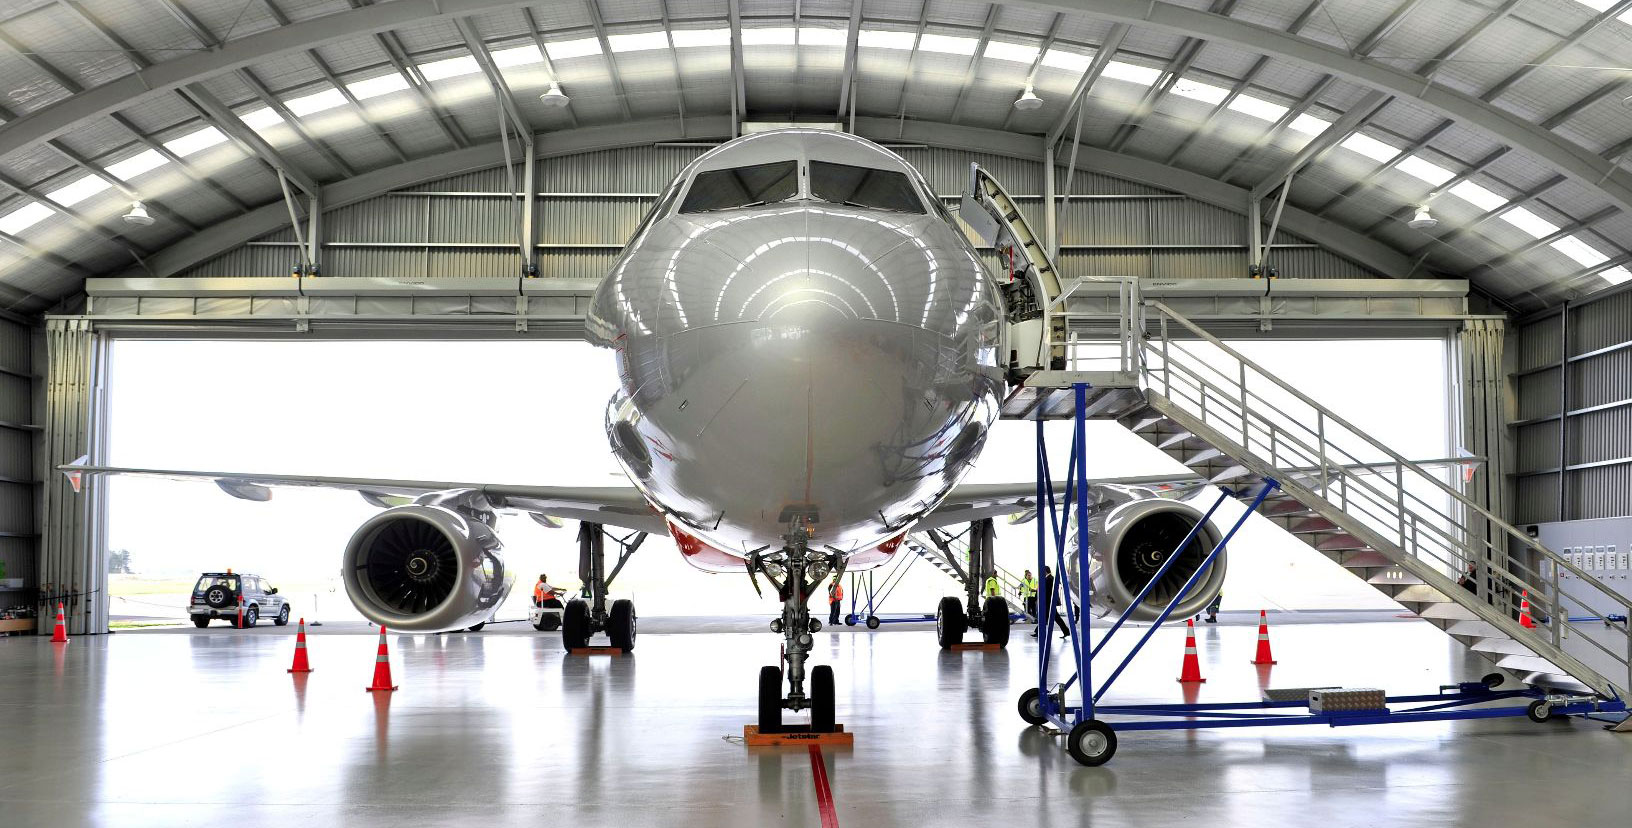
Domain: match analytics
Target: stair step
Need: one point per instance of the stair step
(1231, 472)
(1502, 645)
(1139, 423)
(1311, 525)
(1475, 628)
(1344, 543)
(1202, 456)
(1393, 575)
(1282, 506)
(1448, 611)
(1174, 439)
(1528, 663)
(1421, 593)
(1368, 559)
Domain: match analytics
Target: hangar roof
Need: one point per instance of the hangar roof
(1510, 119)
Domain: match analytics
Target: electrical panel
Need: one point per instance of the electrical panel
(1603, 550)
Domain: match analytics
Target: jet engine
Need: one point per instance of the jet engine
(425, 568)
(1133, 531)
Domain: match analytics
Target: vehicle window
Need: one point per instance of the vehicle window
(742, 187)
(228, 581)
(658, 209)
(863, 187)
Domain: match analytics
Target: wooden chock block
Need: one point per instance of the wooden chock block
(797, 736)
(594, 651)
(958, 648)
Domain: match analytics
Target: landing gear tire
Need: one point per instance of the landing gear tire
(283, 617)
(1031, 707)
(994, 618)
(201, 621)
(872, 622)
(1091, 742)
(770, 700)
(621, 624)
(476, 628)
(575, 625)
(1539, 711)
(822, 704)
(950, 622)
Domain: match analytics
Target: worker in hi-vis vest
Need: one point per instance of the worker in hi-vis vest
(1028, 592)
(835, 598)
(993, 588)
(542, 591)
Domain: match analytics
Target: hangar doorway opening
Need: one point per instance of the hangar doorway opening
(530, 411)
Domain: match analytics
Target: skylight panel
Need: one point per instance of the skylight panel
(449, 68)
(518, 56)
(1529, 222)
(78, 191)
(1617, 275)
(638, 42)
(136, 165)
(1369, 147)
(1434, 174)
(24, 217)
(818, 36)
(1198, 91)
(317, 102)
(1069, 61)
(260, 119)
(1257, 108)
(375, 87)
(772, 36)
(1142, 75)
(885, 39)
(690, 38)
(568, 49)
(948, 44)
(195, 141)
(1309, 124)
(1478, 196)
(1582, 253)
(1012, 52)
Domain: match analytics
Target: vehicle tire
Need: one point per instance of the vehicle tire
(1492, 680)
(620, 625)
(822, 702)
(872, 622)
(994, 622)
(1031, 707)
(219, 597)
(770, 699)
(283, 617)
(201, 621)
(950, 622)
(1539, 711)
(251, 615)
(1092, 742)
(575, 625)
(476, 627)
(850, 620)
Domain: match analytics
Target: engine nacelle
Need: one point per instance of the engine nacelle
(1133, 532)
(424, 569)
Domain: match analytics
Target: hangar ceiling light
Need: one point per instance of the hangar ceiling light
(137, 215)
(554, 97)
(1028, 100)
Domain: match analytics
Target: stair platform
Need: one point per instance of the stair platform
(1050, 395)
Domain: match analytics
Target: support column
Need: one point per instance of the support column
(73, 558)
(1051, 232)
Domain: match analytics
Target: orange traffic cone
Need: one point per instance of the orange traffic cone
(301, 665)
(1191, 671)
(1525, 620)
(382, 668)
(1263, 656)
(60, 634)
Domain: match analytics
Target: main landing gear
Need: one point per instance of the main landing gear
(795, 572)
(582, 619)
(972, 612)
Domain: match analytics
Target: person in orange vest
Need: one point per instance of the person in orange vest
(835, 598)
(542, 591)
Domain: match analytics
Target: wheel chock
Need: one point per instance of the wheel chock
(596, 651)
(796, 735)
(958, 648)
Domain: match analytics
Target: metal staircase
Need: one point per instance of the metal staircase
(1395, 524)
(926, 548)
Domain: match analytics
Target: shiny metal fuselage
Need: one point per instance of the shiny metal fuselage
(799, 361)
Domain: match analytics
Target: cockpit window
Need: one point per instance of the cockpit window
(863, 187)
(742, 187)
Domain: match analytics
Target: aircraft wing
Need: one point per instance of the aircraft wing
(621, 506)
(975, 501)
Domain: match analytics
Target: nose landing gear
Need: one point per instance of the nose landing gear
(796, 571)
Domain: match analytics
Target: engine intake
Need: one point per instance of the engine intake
(424, 569)
(1132, 535)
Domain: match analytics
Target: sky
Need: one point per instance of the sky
(532, 412)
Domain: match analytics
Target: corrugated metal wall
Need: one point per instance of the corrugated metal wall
(19, 475)
(1581, 359)
(590, 203)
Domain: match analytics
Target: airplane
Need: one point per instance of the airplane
(809, 354)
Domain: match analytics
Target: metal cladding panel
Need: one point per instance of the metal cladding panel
(1538, 446)
(1537, 499)
(375, 262)
(1598, 380)
(1538, 394)
(1539, 344)
(590, 221)
(248, 261)
(1602, 323)
(475, 220)
(14, 345)
(385, 219)
(1603, 491)
(16, 454)
(1597, 436)
(16, 397)
(575, 264)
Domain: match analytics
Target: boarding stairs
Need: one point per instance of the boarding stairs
(1403, 527)
(945, 560)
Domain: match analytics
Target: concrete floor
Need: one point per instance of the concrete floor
(206, 728)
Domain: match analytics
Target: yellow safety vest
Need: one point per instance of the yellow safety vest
(993, 590)
(1029, 588)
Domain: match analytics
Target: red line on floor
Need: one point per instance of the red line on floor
(824, 791)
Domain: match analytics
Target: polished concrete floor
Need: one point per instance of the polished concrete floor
(206, 728)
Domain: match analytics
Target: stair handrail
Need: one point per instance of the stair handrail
(1464, 500)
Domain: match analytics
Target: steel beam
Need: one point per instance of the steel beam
(398, 56)
(1037, 62)
(1404, 211)
(549, 65)
(674, 62)
(501, 90)
(851, 47)
(1561, 233)
(1371, 178)
(739, 84)
(1574, 39)
(1206, 126)
(294, 122)
(253, 144)
(1340, 129)
(1523, 199)
(594, 11)
(1280, 126)
(973, 66)
(1180, 64)
(1102, 57)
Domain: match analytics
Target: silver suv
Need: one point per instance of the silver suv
(216, 596)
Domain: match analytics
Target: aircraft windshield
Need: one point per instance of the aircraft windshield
(863, 187)
(742, 187)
